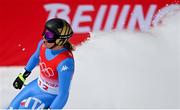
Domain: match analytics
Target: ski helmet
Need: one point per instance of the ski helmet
(57, 30)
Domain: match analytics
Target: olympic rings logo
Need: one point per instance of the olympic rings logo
(48, 72)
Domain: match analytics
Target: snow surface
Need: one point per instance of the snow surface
(120, 69)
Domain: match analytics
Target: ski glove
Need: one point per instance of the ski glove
(19, 81)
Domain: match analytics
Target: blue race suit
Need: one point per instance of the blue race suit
(41, 93)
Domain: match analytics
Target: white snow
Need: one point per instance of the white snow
(120, 69)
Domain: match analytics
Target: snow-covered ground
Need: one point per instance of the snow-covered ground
(120, 69)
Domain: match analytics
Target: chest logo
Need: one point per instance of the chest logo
(64, 68)
(47, 71)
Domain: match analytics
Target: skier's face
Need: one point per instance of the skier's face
(49, 39)
(46, 44)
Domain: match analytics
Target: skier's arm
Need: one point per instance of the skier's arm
(65, 73)
(33, 61)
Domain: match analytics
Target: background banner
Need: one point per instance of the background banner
(22, 22)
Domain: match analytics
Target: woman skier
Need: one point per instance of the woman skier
(54, 56)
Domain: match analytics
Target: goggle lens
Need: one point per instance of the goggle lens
(49, 36)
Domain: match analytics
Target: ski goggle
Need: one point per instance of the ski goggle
(49, 36)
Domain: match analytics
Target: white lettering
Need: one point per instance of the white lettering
(54, 8)
(79, 17)
(138, 17)
(146, 24)
(27, 102)
(99, 18)
(37, 102)
(111, 17)
(122, 17)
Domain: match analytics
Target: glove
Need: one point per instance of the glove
(19, 81)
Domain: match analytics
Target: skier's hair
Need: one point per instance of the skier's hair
(69, 46)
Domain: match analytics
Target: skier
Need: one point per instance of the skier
(54, 55)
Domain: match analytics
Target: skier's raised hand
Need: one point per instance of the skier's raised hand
(19, 81)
